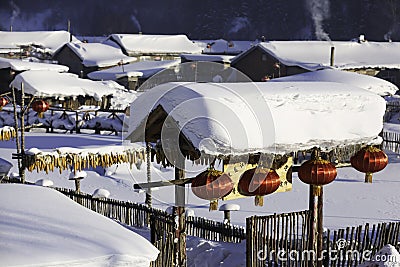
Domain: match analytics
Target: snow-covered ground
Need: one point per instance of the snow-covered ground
(348, 200)
(42, 227)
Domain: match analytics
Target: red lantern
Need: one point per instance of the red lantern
(317, 172)
(3, 102)
(212, 185)
(40, 106)
(369, 160)
(259, 182)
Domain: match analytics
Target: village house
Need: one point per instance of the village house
(39, 44)
(132, 75)
(154, 47)
(275, 59)
(83, 58)
(9, 68)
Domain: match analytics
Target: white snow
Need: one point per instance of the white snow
(155, 44)
(240, 118)
(50, 40)
(60, 85)
(370, 83)
(229, 206)
(97, 54)
(204, 57)
(387, 256)
(101, 193)
(78, 175)
(43, 227)
(142, 69)
(44, 182)
(22, 65)
(348, 55)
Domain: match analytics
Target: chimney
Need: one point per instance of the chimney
(361, 38)
(332, 56)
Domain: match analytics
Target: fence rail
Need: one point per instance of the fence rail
(391, 141)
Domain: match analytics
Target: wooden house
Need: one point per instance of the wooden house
(9, 68)
(274, 59)
(39, 44)
(83, 58)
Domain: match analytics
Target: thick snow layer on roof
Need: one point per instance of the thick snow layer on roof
(237, 118)
(101, 55)
(22, 65)
(40, 226)
(347, 55)
(370, 83)
(52, 40)
(60, 85)
(222, 46)
(204, 57)
(155, 44)
(143, 69)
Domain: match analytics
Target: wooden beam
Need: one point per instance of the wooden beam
(180, 182)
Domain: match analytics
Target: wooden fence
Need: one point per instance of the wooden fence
(268, 235)
(352, 245)
(282, 240)
(391, 141)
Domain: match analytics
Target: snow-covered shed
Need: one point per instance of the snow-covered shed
(83, 58)
(283, 58)
(372, 84)
(242, 118)
(66, 89)
(9, 68)
(40, 44)
(161, 47)
(41, 227)
(133, 75)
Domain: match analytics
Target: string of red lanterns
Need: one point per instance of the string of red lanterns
(40, 106)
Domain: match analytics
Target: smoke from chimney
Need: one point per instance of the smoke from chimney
(319, 10)
(136, 22)
(15, 13)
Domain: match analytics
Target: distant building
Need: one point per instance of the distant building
(83, 58)
(154, 47)
(275, 59)
(40, 44)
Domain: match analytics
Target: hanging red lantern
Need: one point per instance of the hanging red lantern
(3, 102)
(317, 172)
(369, 160)
(212, 185)
(259, 182)
(40, 106)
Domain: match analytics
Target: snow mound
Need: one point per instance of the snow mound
(44, 182)
(101, 193)
(387, 256)
(42, 227)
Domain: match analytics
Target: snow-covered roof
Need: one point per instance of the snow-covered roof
(143, 69)
(241, 118)
(204, 57)
(42, 227)
(370, 83)
(222, 46)
(101, 55)
(347, 55)
(52, 40)
(155, 44)
(60, 85)
(22, 65)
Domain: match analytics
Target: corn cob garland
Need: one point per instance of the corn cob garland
(48, 162)
(7, 133)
